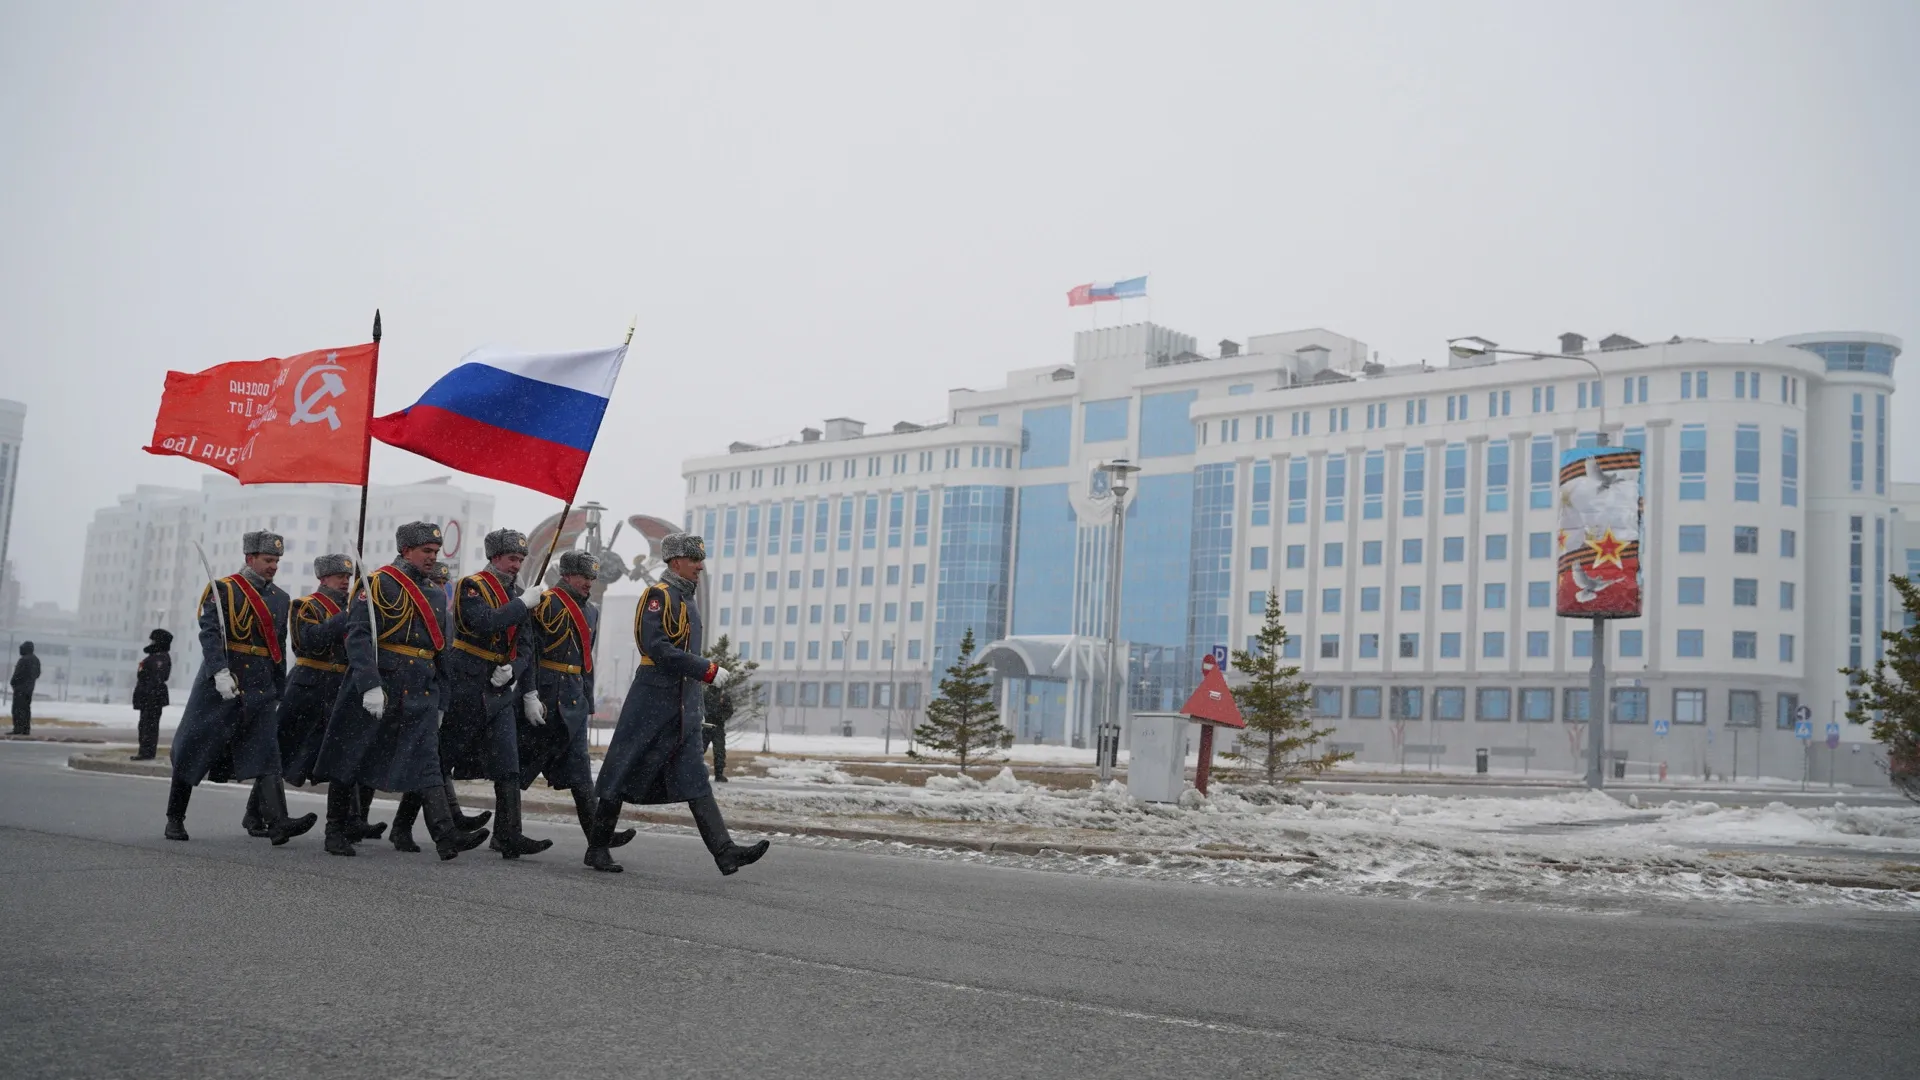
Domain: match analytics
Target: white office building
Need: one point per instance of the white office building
(1405, 516)
(13, 432)
(142, 570)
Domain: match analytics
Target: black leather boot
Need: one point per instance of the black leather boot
(363, 804)
(606, 814)
(341, 803)
(273, 809)
(177, 797)
(727, 855)
(508, 840)
(401, 836)
(460, 817)
(252, 820)
(448, 838)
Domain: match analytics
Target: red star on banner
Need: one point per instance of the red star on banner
(1607, 549)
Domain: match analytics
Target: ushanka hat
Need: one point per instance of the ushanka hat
(683, 546)
(417, 534)
(579, 562)
(332, 564)
(506, 542)
(263, 543)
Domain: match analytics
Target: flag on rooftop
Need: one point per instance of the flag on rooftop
(1101, 291)
(528, 419)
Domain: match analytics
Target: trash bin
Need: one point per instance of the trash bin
(1480, 760)
(1620, 769)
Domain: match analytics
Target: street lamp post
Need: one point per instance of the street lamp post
(893, 687)
(846, 659)
(1118, 471)
(1597, 672)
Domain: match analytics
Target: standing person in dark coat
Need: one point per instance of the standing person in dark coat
(718, 705)
(384, 729)
(319, 669)
(478, 738)
(556, 695)
(26, 672)
(150, 691)
(655, 754)
(231, 712)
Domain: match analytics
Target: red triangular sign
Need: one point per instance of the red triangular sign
(1213, 703)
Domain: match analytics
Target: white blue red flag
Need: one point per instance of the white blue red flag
(1101, 291)
(528, 419)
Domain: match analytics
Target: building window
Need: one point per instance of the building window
(1789, 467)
(1262, 503)
(1691, 643)
(1409, 646)
(1455, 478)
(1405, 701)
(1409, 598)
(1296, 556)
(1294, 601)
(1330, 601)
(1743, 708)
(1540, 473)
(1370, 552)
(1494, 595)
(1411, 550)
(1746, 463)
(1787, 544)
(1374, 484)
(1369, 598)
(1416, 411)
(1369, 646)
(1329, 646)
(1451, 598)
(1497, 475)
(1333, 554)
(1573, 705)
(1693, 462)
(1786, 648)
(1689, 706)
(1335, 495)
(1257, 558)
(1536, 705)
(1326, 702)
(1539, 594)
(1363, 703)
(1693, 539)
(1693, 590)
(1746, 592)
(1450, 703)
(1413, 482)
(1746, 645)
(1290, 649)
(1631, 643)
(1858, 461)
(1629, 705)
(1746, 540)
(1453, 549)
(1493, 644)
(1540, 545)
(1496, 546)
(1786, 596)
(1257, 602)
(1582, 643)
(1104, 421)
(1297, 491)
(1165, 430)
(1543, 399)
(1449, 645)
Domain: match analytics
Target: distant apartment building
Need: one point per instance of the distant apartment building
(13, 429)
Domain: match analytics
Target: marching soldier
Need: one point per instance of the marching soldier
(655, 755)
(229, 723)
(150, 691)
(557, 692)
(319, 668)
(478, 737)
(384, 729)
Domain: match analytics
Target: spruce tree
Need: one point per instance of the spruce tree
(1887, 696)
(1277, 745)
(961, 720)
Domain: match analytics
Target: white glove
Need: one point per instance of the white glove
(536, 712)
(223, 684)
(374, 701)
(537, 596)
(719, 675)
(502, 675)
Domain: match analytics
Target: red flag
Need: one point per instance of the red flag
(301, 420)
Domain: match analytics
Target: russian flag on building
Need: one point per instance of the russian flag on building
(1100, 291)
(528, 419)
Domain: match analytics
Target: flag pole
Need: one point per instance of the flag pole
(366, 446)
(560, 527)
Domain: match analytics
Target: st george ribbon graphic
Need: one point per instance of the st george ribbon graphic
(302, 419)
(1600, 525)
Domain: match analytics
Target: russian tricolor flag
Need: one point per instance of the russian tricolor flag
(528, 419)
(1100, 291)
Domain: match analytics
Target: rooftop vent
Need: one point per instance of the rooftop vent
(841, 427)
(906, 427)
(1617, 341)
(808, 434)
(1572, 344)
(1229, 348)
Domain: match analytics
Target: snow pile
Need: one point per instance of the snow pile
(814, 772)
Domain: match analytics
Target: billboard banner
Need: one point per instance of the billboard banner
(1600, 517)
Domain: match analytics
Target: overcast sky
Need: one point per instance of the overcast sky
(837, 209)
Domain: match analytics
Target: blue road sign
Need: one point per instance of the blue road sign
(1220, 656)
(1659, 727)
(1833, 736)
(1803, 730)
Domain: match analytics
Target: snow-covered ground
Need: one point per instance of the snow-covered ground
(93, 712)
(1582, 848)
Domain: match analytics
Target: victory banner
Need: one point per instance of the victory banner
(302, 419)
(1600, 518)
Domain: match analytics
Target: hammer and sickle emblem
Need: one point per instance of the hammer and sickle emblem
(331, 385)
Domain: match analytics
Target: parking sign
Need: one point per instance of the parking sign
(1220, 656)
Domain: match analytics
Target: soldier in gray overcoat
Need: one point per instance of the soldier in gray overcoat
(228, 730)
(383, 732)
(655, 755)
(556, 696)
(478, 734)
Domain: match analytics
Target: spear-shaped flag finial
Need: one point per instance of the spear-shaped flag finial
(376, 326)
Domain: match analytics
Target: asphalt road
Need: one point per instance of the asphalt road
(129, 955)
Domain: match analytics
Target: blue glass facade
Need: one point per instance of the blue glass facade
(1855, 356)
(1043, 572)
(1046, 437)
(1104, 421)
(1155, 578)
(1165, 430)
(976, 537)
(1210, 578)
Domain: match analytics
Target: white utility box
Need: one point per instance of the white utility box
(1157, 756)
